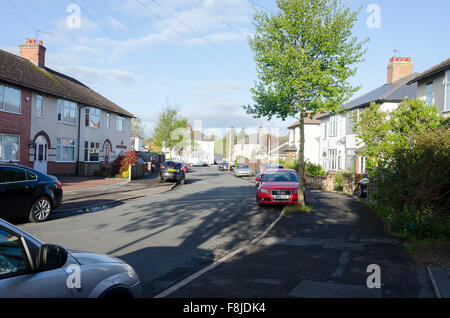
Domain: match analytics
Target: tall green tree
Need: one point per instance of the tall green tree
(305, 54)
(168, 130)
(137, 127)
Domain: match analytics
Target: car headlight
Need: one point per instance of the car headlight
(264, 190)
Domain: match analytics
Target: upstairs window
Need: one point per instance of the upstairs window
(120, 123)
(39, 110)
(10, 99)
(351, 120)
(447, 91)
(333, 126)
(92, 117)
(67, 111)
(430, 94)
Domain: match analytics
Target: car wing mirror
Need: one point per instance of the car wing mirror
(50, 257)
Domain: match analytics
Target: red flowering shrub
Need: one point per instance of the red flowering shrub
(130, 158)
(115, 166)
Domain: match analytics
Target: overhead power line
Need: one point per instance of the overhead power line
(190, 44)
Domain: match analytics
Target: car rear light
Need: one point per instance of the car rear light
(59, 184)
(162, 167)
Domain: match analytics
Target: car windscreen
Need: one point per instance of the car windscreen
(170, 164)
(280, 176)
(242, 167)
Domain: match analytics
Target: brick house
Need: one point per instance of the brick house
(52, 122)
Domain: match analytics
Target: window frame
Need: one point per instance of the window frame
(428, 92)
(447, 91)
(60, 110)
(2, 139)
(333, 131)
(2, 99)
(89, 148)
(91, 112)
(26, 251)
(61, 149)
(39, 111)
(120, 119)
(332, 161)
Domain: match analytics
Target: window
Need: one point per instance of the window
(362, 165)
(91, 151)
(120, 123)
(351, 120)
(333, 126)
(11, 174)
(39, 110)
(65, 150)
(430, 94)
(92, 117)
(67, 111)
(31, 176)
(13, 259)
(9, 147)
(10, 99)
(349, 161)
(108, 123)
(340, 160)
(324, 132)
(332, 162)
(447, 91)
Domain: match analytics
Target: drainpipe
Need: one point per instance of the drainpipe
(79, 143)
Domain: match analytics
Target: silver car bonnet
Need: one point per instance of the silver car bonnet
(87, 258)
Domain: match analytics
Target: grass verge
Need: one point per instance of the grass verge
(296, 208)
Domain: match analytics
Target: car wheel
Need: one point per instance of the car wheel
(40, 210)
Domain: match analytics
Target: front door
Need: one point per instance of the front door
(40, 158)
(106, 152)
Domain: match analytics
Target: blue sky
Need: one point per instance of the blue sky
(194, 53)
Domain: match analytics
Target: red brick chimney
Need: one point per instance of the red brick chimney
(33, 51)
(398, 67)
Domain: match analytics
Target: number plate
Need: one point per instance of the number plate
(281, 197)
(172, 170)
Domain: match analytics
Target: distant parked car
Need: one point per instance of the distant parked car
(224, 166)
(30, 268)
(25, 192)
(242, 170)
(172, 170)
(264, 169)
(278, 186)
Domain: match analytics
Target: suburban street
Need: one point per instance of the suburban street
(169, 236)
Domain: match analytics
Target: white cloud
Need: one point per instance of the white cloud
(116, 24)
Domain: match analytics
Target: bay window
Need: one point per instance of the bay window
(65, 150)
(430, 94)
(91, 151)
(332, 161)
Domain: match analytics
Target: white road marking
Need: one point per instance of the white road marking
(217, 263)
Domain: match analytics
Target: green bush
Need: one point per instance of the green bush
(413, 187)
(314, 170)
(339, 181)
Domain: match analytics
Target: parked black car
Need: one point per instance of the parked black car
(25, 192)
(172, 170)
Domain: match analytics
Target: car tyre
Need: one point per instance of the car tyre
(40, 210)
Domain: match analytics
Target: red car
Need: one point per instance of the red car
(278, 186)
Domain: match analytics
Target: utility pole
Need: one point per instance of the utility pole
(229, 149)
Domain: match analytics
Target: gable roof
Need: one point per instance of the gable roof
(389, 92)
(443, 66)
(22, 72)
(308, 121)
